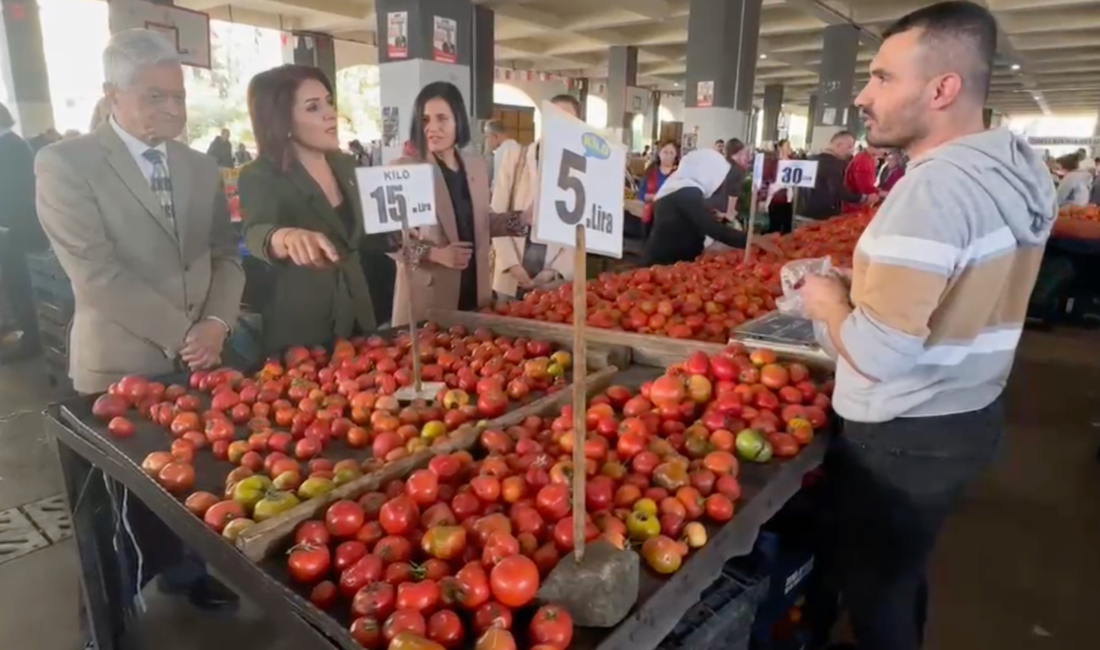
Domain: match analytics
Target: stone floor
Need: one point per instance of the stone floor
(1018, 566)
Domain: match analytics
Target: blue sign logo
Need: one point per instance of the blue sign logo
(595, 147)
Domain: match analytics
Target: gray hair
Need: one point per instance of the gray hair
(495, 126)
(133, 49)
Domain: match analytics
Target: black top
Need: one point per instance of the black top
(346, 212)
(681, 223)
(458, 187)
(735, 181)
(829, 191)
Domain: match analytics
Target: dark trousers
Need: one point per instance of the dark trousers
(780, 218)
(888, 489)
(15, 282)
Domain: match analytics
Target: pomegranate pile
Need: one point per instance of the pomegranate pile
(701, 300)
(453, 553)
(273, 428)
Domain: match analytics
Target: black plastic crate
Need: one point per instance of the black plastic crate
(723, 617)
(52, 323)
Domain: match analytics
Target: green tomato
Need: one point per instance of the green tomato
(274, 503)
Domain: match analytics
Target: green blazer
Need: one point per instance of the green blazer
(306, 306)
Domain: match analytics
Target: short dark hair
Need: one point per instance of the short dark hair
(449, 93)
(840, 135)
(733, 147)
(271, 107)
(1069, 162)
(963, 34)
(6, 120)
(566, 98)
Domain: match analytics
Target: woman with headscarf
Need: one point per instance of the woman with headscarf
(682, 219)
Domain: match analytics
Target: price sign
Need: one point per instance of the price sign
(396, 197)
(581, 182)
(797, 173)
(757, 170)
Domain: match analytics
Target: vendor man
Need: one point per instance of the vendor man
(926, 335)
(141, 226)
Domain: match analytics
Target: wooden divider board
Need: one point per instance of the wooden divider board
(646, 349)
(258, 541)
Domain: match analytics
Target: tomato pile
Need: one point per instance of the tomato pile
(453, 551)
(701, 300)
(1080, 213)
(274, 426)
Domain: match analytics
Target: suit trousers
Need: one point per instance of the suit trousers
(888, 489)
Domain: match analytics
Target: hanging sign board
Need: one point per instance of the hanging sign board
(396, 197)
(581, 182)
(188, 30)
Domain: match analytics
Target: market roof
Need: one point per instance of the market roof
(1049, 57)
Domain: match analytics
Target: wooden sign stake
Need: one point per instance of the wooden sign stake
(753, 200)
(580, 429)
(418, 390)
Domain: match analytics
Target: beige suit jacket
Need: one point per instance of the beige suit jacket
(138, 286)
(516, 188)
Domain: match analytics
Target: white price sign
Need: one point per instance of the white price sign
(758, 170)
(396, 197)
(581, 182)
(797, 173)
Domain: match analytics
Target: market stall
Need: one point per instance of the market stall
(253, 558)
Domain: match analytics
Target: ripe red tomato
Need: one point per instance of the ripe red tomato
(323, 595)
(719, 507)
(445, 628)
(308, 564)
(177, 477)
(553, 502)
(514, 581)
(313, 533)
(367, 632)
(492, 615)
(422, 487)
(107, 407)
(420, 596)
(223, 512)
(473, 584)
(394, 548)
(367, 570)
(344, 518)
(444, 542)
(399, 515)
(120, 427)
(553, 626)
(348, 553)
(404, 620)
(377, 600)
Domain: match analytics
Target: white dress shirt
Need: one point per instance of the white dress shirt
(137, 149)
(498, 156)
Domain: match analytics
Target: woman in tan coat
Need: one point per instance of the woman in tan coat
(522, 265)
(448, 263)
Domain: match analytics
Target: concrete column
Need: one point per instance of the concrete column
(721, 68)
(420, 42)
(836, 84)
(811, 118)
(23, 64)
(317, 50)
(773, 106)
(582, 87)
(483, 65)
(622, 76)
(655, 117)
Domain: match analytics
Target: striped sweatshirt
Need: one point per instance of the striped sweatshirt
(941, 280)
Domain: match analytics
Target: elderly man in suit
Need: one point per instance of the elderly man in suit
(141, 226)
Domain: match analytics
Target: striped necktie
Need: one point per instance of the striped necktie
(161, 184)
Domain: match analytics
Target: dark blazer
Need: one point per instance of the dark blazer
(17, 212)
(307, 306)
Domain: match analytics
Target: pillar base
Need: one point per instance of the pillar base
(716, 123)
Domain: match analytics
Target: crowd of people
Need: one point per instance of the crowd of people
(923, 328)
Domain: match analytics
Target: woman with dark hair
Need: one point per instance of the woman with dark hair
(302, 214)
(449, 262)
(668, 157)
(780, 208)
(738, 156)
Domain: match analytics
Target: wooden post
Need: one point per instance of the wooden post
(753, 200)
(413, 333)
(580, 398)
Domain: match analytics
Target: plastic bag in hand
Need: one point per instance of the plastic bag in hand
(791, 277)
